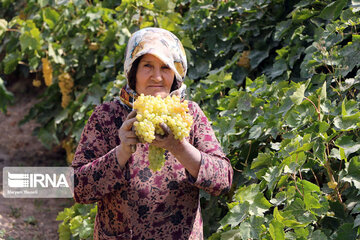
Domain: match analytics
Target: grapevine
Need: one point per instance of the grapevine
(151, 111)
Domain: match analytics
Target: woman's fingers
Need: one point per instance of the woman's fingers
(127, 125)
(167, 133)
(166, 129)
(131, 115)
(129, 121)
(131, 141)
(131, 135)
(127, 136)
(126, 132)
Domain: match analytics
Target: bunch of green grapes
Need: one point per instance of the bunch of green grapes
(156, 158)
(151, 111)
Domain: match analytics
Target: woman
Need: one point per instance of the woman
(134, 202)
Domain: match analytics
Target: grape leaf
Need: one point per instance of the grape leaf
(298, 95)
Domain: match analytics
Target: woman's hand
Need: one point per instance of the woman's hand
(128, 139)
(166, 141)
(184, 152)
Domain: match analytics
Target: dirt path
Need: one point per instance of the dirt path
(23, 218)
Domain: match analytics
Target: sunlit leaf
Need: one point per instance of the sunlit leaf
(298, 95)
(30, 37)
(323, 127)
(255, 132)
(236, 215)
(347, 123)
(309, 187)
(64, 231)
(276, 230)
(51, 17)
(55, 56)
(3, 26)
(343, 109)
(263, 159)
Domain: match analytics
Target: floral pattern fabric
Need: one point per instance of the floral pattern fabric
(134, 202)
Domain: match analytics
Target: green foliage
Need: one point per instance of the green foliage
(279, 79)
(300, 174)
(77, 222)
(292, 132)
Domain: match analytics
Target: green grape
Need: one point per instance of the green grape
(151, 111)
(156, 158)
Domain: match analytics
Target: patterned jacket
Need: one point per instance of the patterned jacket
(134, 202)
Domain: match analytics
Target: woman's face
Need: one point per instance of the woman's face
(153, 77)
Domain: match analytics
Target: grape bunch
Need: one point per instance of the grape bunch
(47, 71)
(156, 157)
(66, 84)
(151, 111)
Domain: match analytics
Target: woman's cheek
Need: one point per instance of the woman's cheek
(169, 76)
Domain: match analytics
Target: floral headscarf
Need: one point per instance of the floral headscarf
(162, 44)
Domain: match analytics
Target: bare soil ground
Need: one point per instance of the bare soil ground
(27, 218)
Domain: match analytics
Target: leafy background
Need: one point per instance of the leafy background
(279, 79)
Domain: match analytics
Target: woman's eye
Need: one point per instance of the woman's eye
(147, 65)
(165, 67)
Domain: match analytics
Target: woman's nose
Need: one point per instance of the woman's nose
(157, 74)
